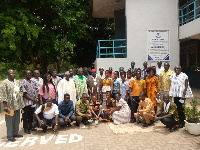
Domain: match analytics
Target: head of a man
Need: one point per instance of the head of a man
(71, 72)
(36, 74)
(84, 97)
(85, 70)
(67, 75)
(54, 74)
(159, 64)
(11, 74)
(142, 96)
(80, 71)
(49, 101)
(28, 74)
(166, 66)
(93, 71)
(101, 70)
(166, 98)
(132, 64)
(128, 73)
(138, 75)
(66, 98)
(177, 69)
(145, 64)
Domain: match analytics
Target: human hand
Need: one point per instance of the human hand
(55, 129)
(6, 109)
(67, 120)
(41, 122)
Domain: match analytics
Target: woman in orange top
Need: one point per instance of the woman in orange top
(110, 105)
(107, 86)
(152, 84)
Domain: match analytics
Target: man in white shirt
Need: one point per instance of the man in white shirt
(49, 115)
(56, 79)
(159, 68)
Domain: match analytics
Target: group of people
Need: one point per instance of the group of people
(119, 96)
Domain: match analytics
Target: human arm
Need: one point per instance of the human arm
(37, 117)
(115, 109)
(5, 107)
(111, 85)
(78, 110)
(25, 94)
(93, 111)
(186, 86)
(100, 110)
(55, 129)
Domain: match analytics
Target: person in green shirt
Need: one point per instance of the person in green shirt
(168, 114)
(83, 113)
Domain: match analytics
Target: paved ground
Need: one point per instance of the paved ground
(104, 136)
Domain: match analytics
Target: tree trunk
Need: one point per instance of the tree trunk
(44, 64)
(32, 58)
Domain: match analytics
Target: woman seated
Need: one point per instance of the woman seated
(121, 113)
(110, 105)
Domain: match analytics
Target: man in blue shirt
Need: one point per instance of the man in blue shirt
(66, 110)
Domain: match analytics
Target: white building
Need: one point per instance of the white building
(150, 30)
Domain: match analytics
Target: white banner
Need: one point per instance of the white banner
(158, 45)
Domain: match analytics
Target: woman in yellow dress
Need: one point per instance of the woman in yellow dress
(107, 86)
(152, 83)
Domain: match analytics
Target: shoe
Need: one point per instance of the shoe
(133, 120)
(27, 131)
(181, 125)
(85, 122)
(138, 121)
(69, 125)
(77, 124)
(17, 136)
(146, 124)
(33, 129)
(44, 130)
(12, 140)
(172, 129)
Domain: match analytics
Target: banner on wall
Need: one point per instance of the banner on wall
(158, 45)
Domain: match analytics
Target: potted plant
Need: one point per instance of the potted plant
(192, 115)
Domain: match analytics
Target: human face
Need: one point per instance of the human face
(151, 73)
(133, 73)
(106, 74)
(166, 66)
(94, 74)
(85, 70)
(166, 98)
(177, 70)
(84, 98)
(67, 99)
(132, 64)
(123, 78)
(115, 75)
(80, 72)
(28, 75)
(101, 71)
(49, 102)
(11, 75)
(48, 78)
(121, 72)
(108, 95)
(142, 97)
(36, 74)
(54, 73)
(128, 75)
(159, 64)
(145, 64)
(71, 72)
(117, 97)
(94, 99)
(67, 75)
(138, 75)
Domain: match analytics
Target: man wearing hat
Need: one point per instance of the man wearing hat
(94, 84)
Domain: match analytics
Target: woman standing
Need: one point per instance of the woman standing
(121, 113)
(47, 89)
(80, 83)
(152, 84)
(116, 83)
(107, 86)
(124, 88)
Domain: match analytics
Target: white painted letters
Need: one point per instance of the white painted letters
(73, 136)
(45, 141)
(30, 140)
(60, 139)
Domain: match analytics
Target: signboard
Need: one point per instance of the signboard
(158, 45)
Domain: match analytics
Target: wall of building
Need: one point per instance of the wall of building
(143, 15)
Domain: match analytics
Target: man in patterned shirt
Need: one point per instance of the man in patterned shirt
(30, 89)
(11, 96)
(83, 113)
(164, 80)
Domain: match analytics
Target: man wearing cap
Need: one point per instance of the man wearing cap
(94, 84)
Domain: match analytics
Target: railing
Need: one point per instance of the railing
(189, 12)
(115, 48)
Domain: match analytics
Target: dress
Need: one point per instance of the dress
(64, 87)
(81, 85)
(124, 86)
(106, 87)
(152, 85)
(123, 115)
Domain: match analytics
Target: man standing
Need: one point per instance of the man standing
(85, 72)
(66, 110)
(168, 114)
(37, 78)
(11, 96)
(29, 88)
(66, 86)
(83, 113)
(94, 84)
(56, 79)
(164, 80)
(133, 67)
(144, 70)
(159, 68)
(180, 90)
(137, 85)
(71, 74)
